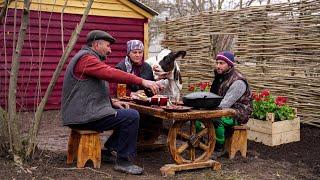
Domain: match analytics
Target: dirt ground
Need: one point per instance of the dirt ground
(299, 160)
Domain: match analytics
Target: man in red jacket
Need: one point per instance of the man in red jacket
(86, 102)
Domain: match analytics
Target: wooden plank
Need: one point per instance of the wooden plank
(269, 127)
(181, 116)
(260, 126)
(136, 8)
(287, 125)
(170, 169)
(146, 39)
(275, 139)
(116, 8)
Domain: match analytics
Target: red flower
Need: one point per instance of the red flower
(191, 87)
(280, 100)
(265, 93)
(202, 86)
(256, 96)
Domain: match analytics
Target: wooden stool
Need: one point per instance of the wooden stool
(237, 141)
(85, 145)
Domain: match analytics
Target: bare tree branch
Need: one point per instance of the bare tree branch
(249, 2)
(4, 9)
(195, 7)
(178, 6)
(212, 5)
(220, 2)
(61, 24)
(16, 141)
(35, 126)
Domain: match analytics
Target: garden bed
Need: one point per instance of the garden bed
(273, 133)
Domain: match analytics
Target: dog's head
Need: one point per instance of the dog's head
(167, 62)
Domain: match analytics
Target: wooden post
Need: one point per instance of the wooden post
(146, 39)
(270, 117)
(170, 169)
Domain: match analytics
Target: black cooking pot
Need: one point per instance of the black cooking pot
(205, 100)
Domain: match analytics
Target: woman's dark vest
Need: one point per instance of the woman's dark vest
(84, 100)
(221, 85)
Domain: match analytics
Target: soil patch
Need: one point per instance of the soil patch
(299, 160)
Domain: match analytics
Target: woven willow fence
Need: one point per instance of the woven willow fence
(277, 47)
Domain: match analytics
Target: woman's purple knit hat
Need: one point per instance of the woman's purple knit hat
(227, 57)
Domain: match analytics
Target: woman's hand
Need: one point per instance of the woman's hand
(120, 104)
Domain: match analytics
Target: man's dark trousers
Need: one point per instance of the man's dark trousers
(124, 138)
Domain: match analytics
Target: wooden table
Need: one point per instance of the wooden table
(188, 148)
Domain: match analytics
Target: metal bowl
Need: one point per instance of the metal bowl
(204, 100)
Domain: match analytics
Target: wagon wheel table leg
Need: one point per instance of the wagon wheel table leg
(190, 149)
(188, 146)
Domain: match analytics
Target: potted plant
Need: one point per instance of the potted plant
(273, 121)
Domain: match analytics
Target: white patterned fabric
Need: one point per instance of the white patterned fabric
(133, 45)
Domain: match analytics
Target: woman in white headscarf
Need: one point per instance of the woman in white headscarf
(134, 63)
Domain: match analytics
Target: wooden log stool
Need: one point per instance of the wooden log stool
(237, 141)
(84, 145)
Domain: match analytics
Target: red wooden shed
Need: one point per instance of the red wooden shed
(49, 31)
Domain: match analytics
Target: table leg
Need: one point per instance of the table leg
(190, 149)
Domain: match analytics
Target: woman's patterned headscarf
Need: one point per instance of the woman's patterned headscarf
(133, 68)
(133, 45)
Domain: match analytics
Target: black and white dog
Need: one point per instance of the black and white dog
(166, 69)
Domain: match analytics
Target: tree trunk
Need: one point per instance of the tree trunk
(220, 2)
(4, 9)
(13, 126)
(3, 124)
(33, 132)
(61, 24)
(4, 133)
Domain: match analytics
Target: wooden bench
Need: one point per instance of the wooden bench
(237, 141)
(84, 145)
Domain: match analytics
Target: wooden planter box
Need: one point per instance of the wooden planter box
(273, 133)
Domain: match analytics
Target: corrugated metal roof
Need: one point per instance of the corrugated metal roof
(145, 7)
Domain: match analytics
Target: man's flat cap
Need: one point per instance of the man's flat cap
(98, 34)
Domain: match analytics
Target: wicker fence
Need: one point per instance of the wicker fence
(277, 47)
